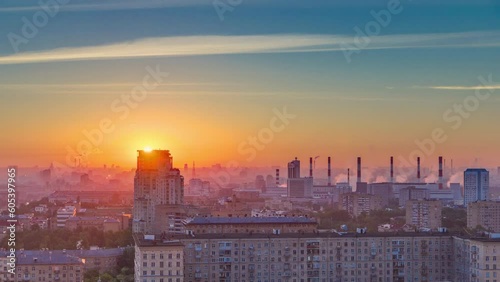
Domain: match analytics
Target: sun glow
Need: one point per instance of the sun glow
(147, 149)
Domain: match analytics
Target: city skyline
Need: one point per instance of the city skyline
(216, 81)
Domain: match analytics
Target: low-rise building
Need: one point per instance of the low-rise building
(63, 214)
(101, 223)
(45, 266)
(103, 260)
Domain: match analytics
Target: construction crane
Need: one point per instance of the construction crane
(315, 161)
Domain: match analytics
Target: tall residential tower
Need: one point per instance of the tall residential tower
(157, 185)
(476, 185)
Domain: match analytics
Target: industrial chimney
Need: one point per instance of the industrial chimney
(329, 173)
(418, 169)
(392, 169)
(310, 167)
(277, 177)
(359, 170)
(440, 181)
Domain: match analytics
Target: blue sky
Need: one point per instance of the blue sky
(263, 54)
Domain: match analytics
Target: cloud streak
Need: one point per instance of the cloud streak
(248, 44)
(111, 5)
(459, 87)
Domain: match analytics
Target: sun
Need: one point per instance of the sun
(147, 149)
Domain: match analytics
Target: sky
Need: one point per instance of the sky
(250, 83)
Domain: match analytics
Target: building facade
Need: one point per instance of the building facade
(357, 203)
(300, 187)
(412, 193)
(156, 183)
(424, 214)
(299, 257)
(485, 214)
(63, 214)
(44, 266)
(476, 185)
(253, 225)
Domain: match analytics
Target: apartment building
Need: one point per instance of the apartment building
(44, 266)
(158, 260)
(485, 214)
(296, 258)
(247, 225)
(357, 203)
(476, 260)
(424, 214)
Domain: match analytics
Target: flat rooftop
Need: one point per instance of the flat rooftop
(250, 220)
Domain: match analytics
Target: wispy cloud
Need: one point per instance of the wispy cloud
(97, 85)
(248, 44)
(108, 5)
(461, 87)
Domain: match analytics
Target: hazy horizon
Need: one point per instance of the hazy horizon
(299, 77)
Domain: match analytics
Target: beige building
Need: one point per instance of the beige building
(156, 183)
(357, 203)
(103, 260)
(423, 214)
(158, 260)
(485, 214)
(476, 260)
(297, 257)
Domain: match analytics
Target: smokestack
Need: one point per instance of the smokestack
(418, 169)
(359, 170)
(348, 177)
(392, 169)
(452, 172)
(277, 177)
(194, 171)
(329, 173)
(440, 172)
(310, 167)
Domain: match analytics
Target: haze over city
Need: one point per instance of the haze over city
(227, 76)
(249, 140)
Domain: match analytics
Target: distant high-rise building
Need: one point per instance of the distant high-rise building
(412, 193)
(476, 185)
(294, 169)
(156, 183)
(270, 181)
(260, 183)
(300, 187)
(456, 190)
